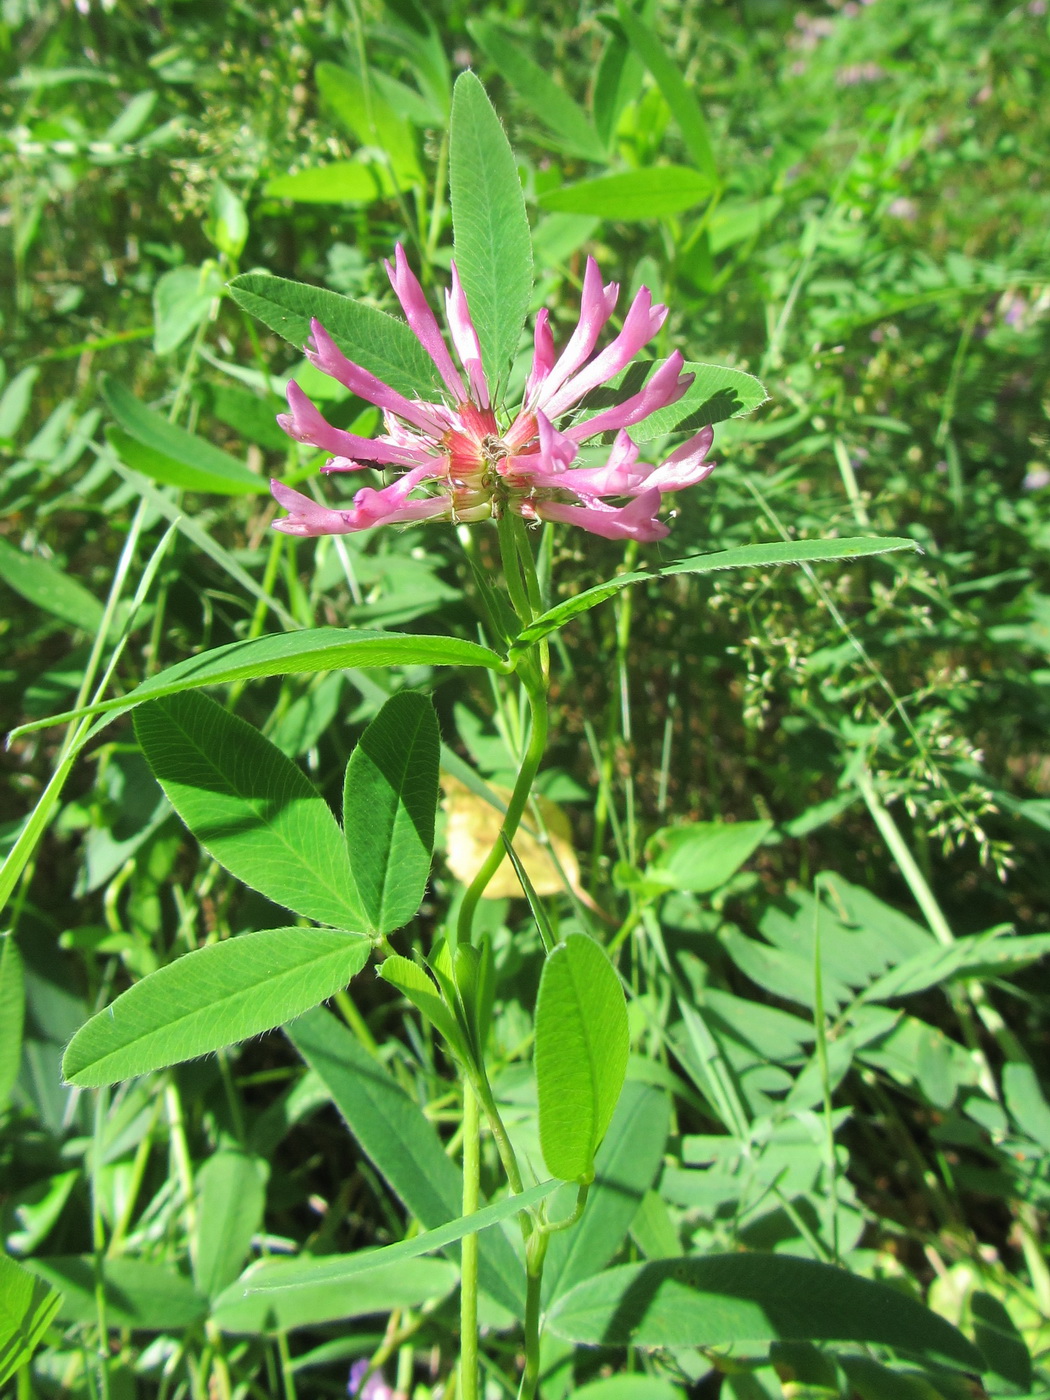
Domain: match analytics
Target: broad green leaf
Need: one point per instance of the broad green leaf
(338, 182)
(249, 806)
(227, 224)
(231, 1197)
(401, 1285)
(389, 801)
(292, 654)
(543, 96)
(1001, 1343)
(214, 996)
(975, 955)
(286, 1278)
(582, 1043)
(631, 195)
(1025, 1101)
(403, 1146)
(361, 107)
(421, 990)
(12, 1015)
(182, 301)
(870, 1380)
(726, 1298)
(676, 91)
(624, 1169)
(139, 1294)
(757, 556)
(491, 228)
(701, 856)
(379, 343)
(27, 1306)
(46, 586)
(716, 393)
(208, 467)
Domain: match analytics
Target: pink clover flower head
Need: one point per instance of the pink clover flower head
(464, 459)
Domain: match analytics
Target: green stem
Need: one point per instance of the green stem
(515, 807)
(508, 546)
(468, 1297)
(535, 1254)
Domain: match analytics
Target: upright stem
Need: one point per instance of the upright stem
(535, 1254)
(468, 1298)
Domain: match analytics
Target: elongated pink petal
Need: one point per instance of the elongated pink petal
(542, 355)
(666, 387)
(687, 466)
(306, 424)
(642, 323)
(596, 306)
(306, 517)
(423, 321)
(465, 339)
(636, 521)
(330, 360)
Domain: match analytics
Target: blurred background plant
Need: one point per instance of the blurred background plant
(850, 201)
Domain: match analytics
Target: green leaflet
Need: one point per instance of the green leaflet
(338, 182)
(12, 1015)
(726, 1298)
(45, 586)
(231, 1197)
(370, 119)
(213, 997)
(379, 343)
(389, 801)
(582, 1044)
(491, 228)
(632, 195)
(249, 806)
(139, 1294)
(701, 856)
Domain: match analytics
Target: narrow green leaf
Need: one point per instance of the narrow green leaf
(231, 1197)
(27, 1306)
(407, 1284)
(492, 241)
(379, 343)
(543, 96)
(389, 801)
(291, 654)
(204, 462)
(677, 94)
(975, 955)
(757, 556)
(995, 1332)
(139, 1294)
(212, 997)
(404, 1147)
(338, 182)
(555, 618)
(632, 195)
(1025, 1101)
(700, 856)
(170, 472)
(45, 586)
(624, 1169)
(249, 806)
(182, 301)
(12, 1015)
(726, 1298)
(582, 1043)
(289, 1276)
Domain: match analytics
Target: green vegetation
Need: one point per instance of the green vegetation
(796, 783)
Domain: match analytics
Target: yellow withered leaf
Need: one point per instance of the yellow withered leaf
(472, 829)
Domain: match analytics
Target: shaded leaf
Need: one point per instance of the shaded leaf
(632, 195)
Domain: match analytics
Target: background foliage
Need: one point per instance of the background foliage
(838, 766)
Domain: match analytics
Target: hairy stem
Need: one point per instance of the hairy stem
(468, 1298)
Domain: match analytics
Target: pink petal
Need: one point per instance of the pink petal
(667, 386)
(596, 306)
(687, 466)
(423, 321)
(543, 353)
(330, 360)
(642, 323)
(465, 339)
(636, 521)
(306, 424)
(306, 517)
